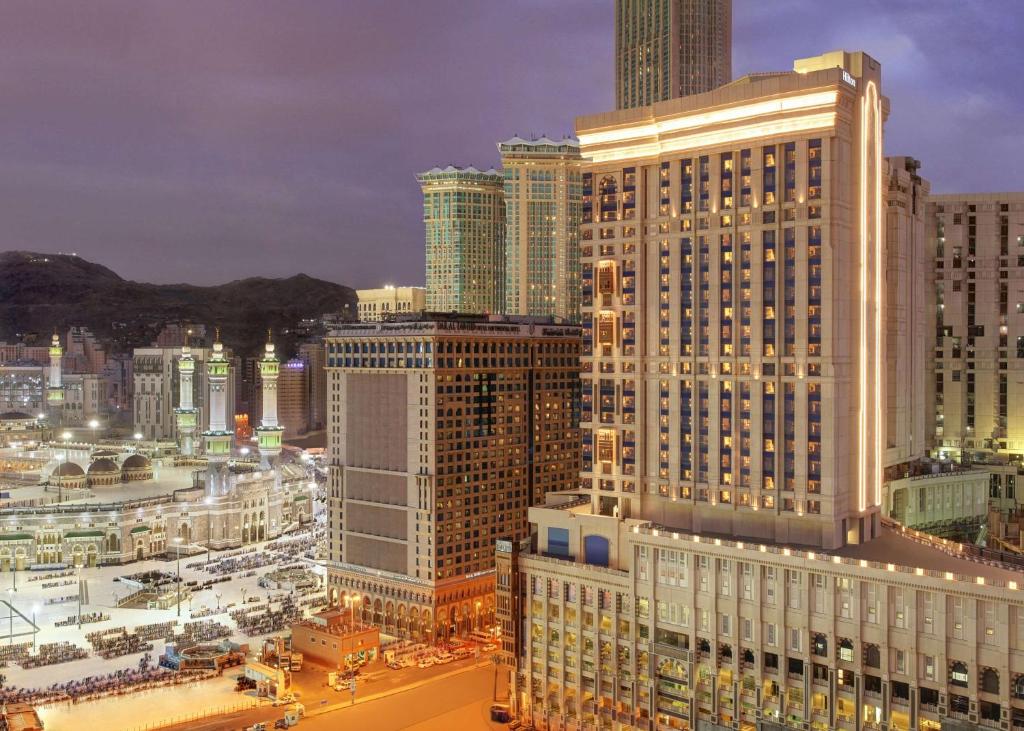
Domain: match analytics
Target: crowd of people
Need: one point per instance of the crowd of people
(88, 618)
(145, 676)
(119, 641)
(53, 653)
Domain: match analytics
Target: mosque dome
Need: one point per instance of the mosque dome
(103, 466)
(136, 462)
(68, 469)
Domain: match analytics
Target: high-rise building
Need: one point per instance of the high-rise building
(314, 357)
(910, 318)
(542, 221)
(293, 397)
(386, 302)
(464, 216)
(670, 48)
(978, 245)
(732, 314)
(723, 564)
(442, 432)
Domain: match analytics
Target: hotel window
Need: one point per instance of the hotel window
(606, 329)
(768, 176)
(606, 446)
(606, 278)
(790, 171)
(814, 169)
(871, 603)
(958, 617)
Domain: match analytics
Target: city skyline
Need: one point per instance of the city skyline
(176, 143)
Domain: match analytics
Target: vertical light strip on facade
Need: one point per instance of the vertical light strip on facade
(862, 384)
(876, 111)
(870, 466)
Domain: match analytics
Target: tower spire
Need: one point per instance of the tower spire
(269, 432)
(55, 385)
(185, 414)
(217, 438)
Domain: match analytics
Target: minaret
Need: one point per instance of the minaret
(55, 388)
(217, 438)
(185, 414)
(268, 432)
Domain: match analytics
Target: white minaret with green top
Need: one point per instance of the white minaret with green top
(185, 414)
(217, 438)
(55, 386)
(269, 432)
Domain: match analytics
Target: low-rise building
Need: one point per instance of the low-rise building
(333, 638)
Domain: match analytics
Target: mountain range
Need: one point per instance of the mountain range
(43, 292)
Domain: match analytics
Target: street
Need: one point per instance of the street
(433, 698)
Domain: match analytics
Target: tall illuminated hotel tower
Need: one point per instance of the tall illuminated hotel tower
(723, 564)
(185, 414)
(269, 432)
(733, 277)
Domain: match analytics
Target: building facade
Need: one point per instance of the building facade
(464, 217)
(383, 303)
(910, 318)
(314, 356)
(733, 289)
(978, 243)
(543, 188)
(441, 433)
(627, 624)
(666, 49)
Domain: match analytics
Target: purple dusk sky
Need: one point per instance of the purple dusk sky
(202, 141)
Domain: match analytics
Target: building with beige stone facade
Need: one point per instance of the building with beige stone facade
(383, 303)
(628, 624)
(442, 431)
(733, 253)
(724, 564)
(670, 48)
(978, 244)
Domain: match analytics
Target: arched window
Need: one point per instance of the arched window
(1018, 687)
(872, 657)
(846, 650)
(990, 681)
(958, 674)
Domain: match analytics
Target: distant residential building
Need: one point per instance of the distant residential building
(83, 398)
(380, 304)
(464, 217)
(978, 244)
(442, 431)
(293, 397)
(176, 333)
(88, 354)
(543, 204)
(666, 49)
(314, 355)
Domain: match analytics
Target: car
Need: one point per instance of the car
(284, 700)
(500, 713)
(395, 665)
(257, 727)
(444, 658)
(425, 662)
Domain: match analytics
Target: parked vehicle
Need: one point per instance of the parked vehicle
(425, 663)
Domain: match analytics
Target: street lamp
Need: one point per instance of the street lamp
(218, 595)
(177, 543)
(93, 424)
(35, 627)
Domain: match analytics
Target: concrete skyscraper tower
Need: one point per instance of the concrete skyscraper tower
(55, 387)
(464, 216)
(543, 194)
(185, 414)
(269, 432)
(670, 48)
